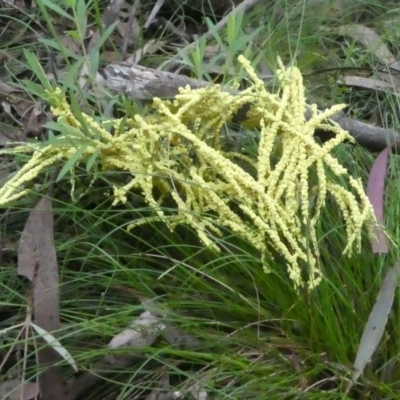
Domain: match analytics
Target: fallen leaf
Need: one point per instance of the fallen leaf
(368, 83)
(15, 389)
(375, 193)
(163, 392)
(37, 257)
(6, 89)
(10, 133)
(142, 332)
(376, 323)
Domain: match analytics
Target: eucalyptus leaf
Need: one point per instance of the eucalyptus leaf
(377, 321)
(56, 345)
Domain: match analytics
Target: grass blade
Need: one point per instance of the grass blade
(56, 345)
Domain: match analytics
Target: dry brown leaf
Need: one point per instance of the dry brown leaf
(367, 83)
(72, 44)
(16, 390)
(6, 89)
(20, 106)
(37, 258)
(376, 324)
(10, 134)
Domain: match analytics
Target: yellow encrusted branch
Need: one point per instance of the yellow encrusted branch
(176, 150)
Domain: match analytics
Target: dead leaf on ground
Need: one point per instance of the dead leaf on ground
(142, 332)
(376, 323)
(37, 257)
(16, 390)
(6, 89)
(163, 392)
(376, 194)
(368, 83)
(10, 134)
(30, 117)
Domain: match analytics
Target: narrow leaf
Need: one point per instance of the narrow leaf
(377, 321)
(56, 345)
(63, 141)
(81, 14)
(57, 9)
(105, 35)
(67, 130)
(37, 69)
(71, 162)
(63, 49)
(92, 160)
(376, 193)
(37, 260)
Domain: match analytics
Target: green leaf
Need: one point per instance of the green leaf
(35, 89)
(234, 27)
(71, 3)
(69, 81)
(36, 67)
(59, 47)
(63, 141)
(56, 345)
(76, 108)
(71, 162)
(94, 61)
(211, 28)
(377, 321)
(94, 56)
(57, 9)
(67, 130)
(92, 160)
(81, 16)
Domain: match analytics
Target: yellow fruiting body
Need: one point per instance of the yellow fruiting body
(209, 187)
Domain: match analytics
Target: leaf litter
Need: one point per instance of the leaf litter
(37, 261)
